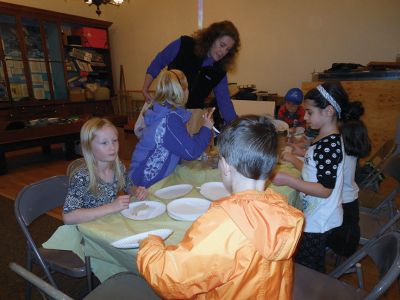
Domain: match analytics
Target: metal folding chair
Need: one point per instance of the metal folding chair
(121, 286)
(312, 285)
(378, 161)
(33, 201)
(384, 251)
(376, 221)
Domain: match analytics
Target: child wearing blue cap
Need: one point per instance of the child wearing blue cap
(292, 112)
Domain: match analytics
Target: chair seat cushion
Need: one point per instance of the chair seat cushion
(312, 285)
(124, 285)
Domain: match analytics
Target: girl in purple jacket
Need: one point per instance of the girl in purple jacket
(165, 140)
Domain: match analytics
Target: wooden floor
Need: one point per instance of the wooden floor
(28, 166)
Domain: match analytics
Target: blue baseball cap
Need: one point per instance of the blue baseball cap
(294, 95)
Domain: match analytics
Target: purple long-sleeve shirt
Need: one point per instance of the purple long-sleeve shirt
(221, 91)
(165, 141)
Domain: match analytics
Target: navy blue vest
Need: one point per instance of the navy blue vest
(201, 80)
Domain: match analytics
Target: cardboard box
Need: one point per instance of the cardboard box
(102, 93)
(92, 37)
(77, 95)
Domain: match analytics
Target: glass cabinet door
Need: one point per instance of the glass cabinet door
(36, 59)
(13, 58)
(3, 83)
(55, 60)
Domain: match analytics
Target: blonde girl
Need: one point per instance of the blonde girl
(93, 188)
(165, 140)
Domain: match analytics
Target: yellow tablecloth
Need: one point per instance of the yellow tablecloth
(97, 235)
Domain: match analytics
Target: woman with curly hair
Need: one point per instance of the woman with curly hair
(204, 58)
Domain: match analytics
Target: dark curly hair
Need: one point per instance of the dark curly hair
(205, 38)
(353, 130)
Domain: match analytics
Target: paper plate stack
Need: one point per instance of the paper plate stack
(187, 209)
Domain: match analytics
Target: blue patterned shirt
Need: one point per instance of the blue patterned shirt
(79, 196)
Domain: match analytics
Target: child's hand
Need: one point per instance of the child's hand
(281, 179)
(298, 149)
(288, 156)
(208, 119)
(121, 202)
(141, 193)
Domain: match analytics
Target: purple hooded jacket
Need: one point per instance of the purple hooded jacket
(164, 143)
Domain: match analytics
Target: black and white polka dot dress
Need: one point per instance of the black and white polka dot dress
(323, 163)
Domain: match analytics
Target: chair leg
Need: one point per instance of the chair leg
(89, 274)
(338, 260)
(360, 277)
(28, 285)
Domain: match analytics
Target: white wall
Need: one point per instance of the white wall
(283, 41)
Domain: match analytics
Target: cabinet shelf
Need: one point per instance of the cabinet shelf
(106, 50)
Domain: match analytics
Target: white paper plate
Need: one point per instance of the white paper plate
(136, 211)
(134, 240)
(187, 209)
(214, 190)
(173, 191)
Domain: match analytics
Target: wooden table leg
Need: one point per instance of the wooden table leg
(46, 149)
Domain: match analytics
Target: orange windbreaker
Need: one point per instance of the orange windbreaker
(240, 249)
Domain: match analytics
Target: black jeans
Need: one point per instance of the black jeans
(344, 240)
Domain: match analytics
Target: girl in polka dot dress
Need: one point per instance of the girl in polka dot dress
(322, 172)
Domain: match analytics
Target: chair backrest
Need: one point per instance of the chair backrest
(45, 287)
(380, 158)
(40, 197)
(385, 253)
(385, 197)
(392, 168)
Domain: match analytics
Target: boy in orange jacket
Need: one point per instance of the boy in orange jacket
(242, 247)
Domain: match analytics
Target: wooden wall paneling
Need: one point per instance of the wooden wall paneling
(381, 100)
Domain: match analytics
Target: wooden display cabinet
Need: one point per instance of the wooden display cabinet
(53, 66)
(46, 60)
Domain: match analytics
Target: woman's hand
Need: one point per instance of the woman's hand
(141, 193)
(121, 203)
(208, 118)
(147, 96)
(148, 79)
